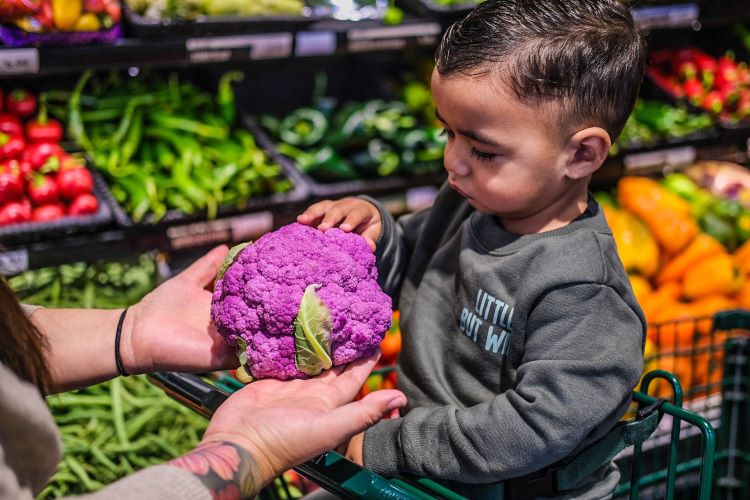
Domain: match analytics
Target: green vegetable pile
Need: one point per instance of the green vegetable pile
(652, 123)
(164, 144)
(112, 429)
(104, 285)
(455, 3)
(191, 9)
(374, 138)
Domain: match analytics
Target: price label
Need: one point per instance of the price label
(19, 61)
(251, 226)
(666, 16)
(315, 43)
(684, 155)
(391, 37)
(14, 262)
(199, 234)
(220, 49)
(420, 197)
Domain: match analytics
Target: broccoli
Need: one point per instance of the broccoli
(300, 300)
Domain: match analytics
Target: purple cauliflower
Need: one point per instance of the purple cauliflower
(258, 298)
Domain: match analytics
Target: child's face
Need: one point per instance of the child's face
(504, 156)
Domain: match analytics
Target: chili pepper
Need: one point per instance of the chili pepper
(303, 127)
(132, 139)
(11, 146)
(43, 128)
(21, 103)
(330, 166)
(712, 102)
(137, 197)
(75, 120)
(225, 95)
(42, 190)
(188, 125)
(10, 124)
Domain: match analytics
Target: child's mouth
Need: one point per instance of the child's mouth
(455, 188)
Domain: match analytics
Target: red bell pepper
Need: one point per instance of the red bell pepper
(693, 90)
(712, 102)
(11, 146)
(47, 213)
(42, 190)
(73, 182)
(11, 184)
(10, 124)
(84, 204)
(21, 102)
(14, 212)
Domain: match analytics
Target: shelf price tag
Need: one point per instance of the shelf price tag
(19, 61)
(666, 16)
(315, 43)
(14, 262)
(392, 37)
(251, 226)
(239, 228)
(656, 159)
(226, 48)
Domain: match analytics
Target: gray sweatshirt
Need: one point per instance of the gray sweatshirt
(518, 350)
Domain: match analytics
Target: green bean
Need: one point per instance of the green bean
(117, 412)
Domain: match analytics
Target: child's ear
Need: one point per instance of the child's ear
(590, 148)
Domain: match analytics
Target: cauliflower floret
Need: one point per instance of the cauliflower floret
(259, 296)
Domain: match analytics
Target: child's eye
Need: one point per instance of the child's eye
(482, 156)
(447, 132)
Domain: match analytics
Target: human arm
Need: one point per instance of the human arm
(573, 382)
(169, 329)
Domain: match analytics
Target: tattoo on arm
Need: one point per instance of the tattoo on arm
(226, 469)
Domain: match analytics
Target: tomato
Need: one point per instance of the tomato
(10, 124)
(43, 190)
(11, 146)
(74, 182)
(49, 130)
(390, 346)
(84, 204)
(15, 212)
(47, 213)
(39, 153)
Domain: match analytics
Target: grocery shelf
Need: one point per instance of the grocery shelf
(326, 38)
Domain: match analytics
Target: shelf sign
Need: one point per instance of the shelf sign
(392, 37)
(315, 43)
(19, 61)
(666, 16)
(242, 47)
(14, 262)
(239, 228)
(684, 155)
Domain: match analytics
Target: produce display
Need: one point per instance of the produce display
(191, 9)
(299, 301)
(720, 86)
(654, 123)
(369, 139)
(39, 22)
(39, 181)
(164, 144)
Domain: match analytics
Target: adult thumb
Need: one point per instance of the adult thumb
(350, 419)
(203, 270)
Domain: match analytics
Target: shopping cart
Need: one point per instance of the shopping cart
(710, 357)
(347, 480)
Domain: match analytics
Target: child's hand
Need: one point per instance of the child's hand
(348, 214)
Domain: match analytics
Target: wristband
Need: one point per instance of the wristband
(118, 334)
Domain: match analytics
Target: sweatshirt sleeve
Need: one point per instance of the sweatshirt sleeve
(394, 247)
(573, 384)
(157, 482)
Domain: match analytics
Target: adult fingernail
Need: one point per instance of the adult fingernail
(396, 403)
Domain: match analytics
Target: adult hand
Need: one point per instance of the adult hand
(348, 214)
(282, 424)
(170, 329)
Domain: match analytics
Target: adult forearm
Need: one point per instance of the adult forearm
(81, 348)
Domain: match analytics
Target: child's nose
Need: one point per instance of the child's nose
(455, 162)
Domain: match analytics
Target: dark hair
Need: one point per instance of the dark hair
(588, 55)
(21, 345)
